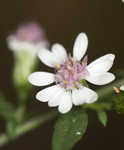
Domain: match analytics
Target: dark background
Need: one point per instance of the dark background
(103, 21)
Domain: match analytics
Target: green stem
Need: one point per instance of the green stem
(20, 113)
(29, 125)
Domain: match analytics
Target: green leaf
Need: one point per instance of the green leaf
(97, 106)
(84, 83)
(118, 104)
(102, 116)
(11, 127)
(69, 129)
(8, 113)
(6, 109)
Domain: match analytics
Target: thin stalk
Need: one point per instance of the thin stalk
(29, 125)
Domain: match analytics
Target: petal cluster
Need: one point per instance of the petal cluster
(70, 71)
(29, 36)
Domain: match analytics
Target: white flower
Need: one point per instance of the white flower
(25, 43)
(70, 71)
(122, 88)
(28, 36)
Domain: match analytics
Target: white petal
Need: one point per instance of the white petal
(122, 88)
(59, 52)
(65, 103)
(41, 78)
(80, 46)
(77, 97)
(55, 99)
(102, 64)
(100, 79)
(84, 95)
(18, 45)
(47, 57)
(56, 57)
(48, 93)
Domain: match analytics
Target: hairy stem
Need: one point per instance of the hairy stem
(29, 125)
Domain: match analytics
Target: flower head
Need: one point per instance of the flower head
(28, 36)
(69, 74)
(25, 43)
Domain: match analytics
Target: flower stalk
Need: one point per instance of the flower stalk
(28, 126)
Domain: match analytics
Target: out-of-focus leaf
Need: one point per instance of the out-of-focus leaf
(97, 106)
(8, 113)
(118, 105)
(6, 109)
(102, 116)
(11, 127)
(69, 129)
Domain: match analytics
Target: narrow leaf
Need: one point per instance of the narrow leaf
(102, 116)
(69, 129)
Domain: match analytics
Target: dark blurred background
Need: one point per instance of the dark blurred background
(103, 21)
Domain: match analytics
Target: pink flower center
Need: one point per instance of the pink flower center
(30, 32)
(70, 74)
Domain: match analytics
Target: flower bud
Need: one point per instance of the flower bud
(25, 42)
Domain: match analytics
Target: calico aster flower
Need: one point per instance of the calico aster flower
(70, 74)
(25, 43)
(28, 36)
